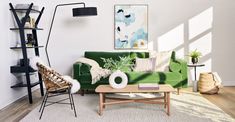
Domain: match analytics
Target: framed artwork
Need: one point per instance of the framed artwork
(131, 26)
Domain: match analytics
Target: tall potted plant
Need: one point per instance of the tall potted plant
(195, 55)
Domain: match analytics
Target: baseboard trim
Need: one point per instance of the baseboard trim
(228, 83)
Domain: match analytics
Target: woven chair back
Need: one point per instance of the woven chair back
(51, 78)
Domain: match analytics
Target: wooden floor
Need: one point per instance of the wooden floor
(224, 100)
(17, 110)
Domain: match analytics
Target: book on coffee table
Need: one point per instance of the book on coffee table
(148, 86)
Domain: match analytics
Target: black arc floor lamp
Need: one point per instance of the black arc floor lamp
(77, 12)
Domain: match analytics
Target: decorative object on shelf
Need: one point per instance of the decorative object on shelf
(118, 74)
(27, 23)
(209, 83)
(123, 64)
(30, 40)
(32, 22)
(131, 26)
(21, 62)
(77, 12)
(195, 55)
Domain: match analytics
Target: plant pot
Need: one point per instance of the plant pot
(194, 60)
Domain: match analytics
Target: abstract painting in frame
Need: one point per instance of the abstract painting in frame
(131, 26)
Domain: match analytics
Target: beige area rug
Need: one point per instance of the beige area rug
(185, 107)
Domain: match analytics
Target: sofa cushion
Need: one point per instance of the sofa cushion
(140, 77)
(151, 77)
(145, 64)
(86, 79)
(162, 60)
(134, 55)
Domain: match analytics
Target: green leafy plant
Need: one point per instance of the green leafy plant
(123, 64)
(195, 54)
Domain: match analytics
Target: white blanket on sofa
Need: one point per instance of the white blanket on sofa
(96, 71)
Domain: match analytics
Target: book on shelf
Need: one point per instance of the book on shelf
(148, 86)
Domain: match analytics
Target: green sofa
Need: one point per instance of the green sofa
(176, 76)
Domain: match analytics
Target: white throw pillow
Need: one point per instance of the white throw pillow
(162, 60)
(145, 64)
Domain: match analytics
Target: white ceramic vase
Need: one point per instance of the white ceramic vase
(115, 75)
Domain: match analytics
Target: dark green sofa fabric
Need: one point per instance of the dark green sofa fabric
(177, 75)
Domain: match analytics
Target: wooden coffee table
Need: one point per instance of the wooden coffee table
(103, 89)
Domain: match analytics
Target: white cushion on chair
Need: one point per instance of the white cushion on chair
(75, 84)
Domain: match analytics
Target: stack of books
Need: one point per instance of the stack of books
(148, 86)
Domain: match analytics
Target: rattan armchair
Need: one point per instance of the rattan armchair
(55, 85)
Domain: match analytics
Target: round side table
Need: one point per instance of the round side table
(195, 74)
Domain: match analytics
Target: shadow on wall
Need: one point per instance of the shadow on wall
(194, 33)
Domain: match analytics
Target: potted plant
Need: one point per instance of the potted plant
(195, 55)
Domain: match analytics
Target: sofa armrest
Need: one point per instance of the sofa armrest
(80, 69)
(179, 65)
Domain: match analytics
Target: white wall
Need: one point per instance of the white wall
(8, 57)
(182, 25)
(223, 37)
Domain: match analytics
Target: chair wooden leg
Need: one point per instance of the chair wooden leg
(178, 91)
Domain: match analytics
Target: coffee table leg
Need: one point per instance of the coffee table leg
(168, 103)
(165, 100)
(101, 103)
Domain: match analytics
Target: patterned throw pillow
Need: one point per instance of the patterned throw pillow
(162, 60)
(145, 64)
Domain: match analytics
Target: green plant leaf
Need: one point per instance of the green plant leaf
(195, 54)
(123, 64)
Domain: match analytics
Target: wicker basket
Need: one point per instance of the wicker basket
(207, 83)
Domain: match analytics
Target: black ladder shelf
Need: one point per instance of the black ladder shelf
(26, 68)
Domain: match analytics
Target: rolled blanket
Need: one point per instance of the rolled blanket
(96, 71)
(217, 79)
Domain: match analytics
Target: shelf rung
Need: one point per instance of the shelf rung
(26, 47)
(25, 85)
(26, 28)
(20, 69)
(24, 10)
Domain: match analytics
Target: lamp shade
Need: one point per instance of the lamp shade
(86, 11)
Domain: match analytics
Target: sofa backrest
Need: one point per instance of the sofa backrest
(95, 55)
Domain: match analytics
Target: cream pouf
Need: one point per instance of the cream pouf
(115, 75)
